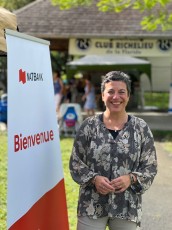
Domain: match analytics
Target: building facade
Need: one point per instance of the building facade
(85, 30)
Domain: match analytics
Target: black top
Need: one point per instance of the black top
(113, 132)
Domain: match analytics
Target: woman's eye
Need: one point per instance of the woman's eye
(110, 92)
(121, 92)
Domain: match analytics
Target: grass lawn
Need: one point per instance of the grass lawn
(3, 181)
(168, 147)
(72, 188)
(159, 100)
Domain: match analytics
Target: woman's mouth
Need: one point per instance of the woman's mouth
(116, 103)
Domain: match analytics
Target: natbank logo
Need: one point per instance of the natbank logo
(29, 76)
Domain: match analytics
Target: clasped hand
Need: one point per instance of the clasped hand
(118, 185)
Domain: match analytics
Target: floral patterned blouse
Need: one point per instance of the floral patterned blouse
(96, 152)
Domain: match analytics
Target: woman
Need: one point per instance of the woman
(89, 96)
(114, 161)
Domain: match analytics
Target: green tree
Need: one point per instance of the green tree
(156, 12)
(14, 4)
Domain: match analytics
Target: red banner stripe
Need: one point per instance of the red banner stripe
(48, 213)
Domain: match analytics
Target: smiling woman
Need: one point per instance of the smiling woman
(115, 95)
(113, 160)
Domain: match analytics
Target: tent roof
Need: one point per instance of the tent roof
(108, 63)
(108, 60)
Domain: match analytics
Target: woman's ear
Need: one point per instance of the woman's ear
(103, 100)
(102, 96)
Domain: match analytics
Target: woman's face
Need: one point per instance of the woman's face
(115, 96)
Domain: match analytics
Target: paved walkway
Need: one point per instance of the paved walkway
(157, 201)
(156, 120)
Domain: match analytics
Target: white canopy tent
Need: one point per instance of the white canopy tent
(108, 59)
(109, 62)
(135, 67)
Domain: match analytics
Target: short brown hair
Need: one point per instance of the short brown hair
(116, 76)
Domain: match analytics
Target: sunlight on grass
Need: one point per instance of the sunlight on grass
(71, 187)
(168, 147)
(159, 100)
(3, 181)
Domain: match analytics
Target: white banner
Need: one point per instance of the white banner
(35, 174)
(132, 47)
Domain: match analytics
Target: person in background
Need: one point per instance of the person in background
(67, 93)
(113, 160)
(74, 90)
(89, 97)
(58, 89)
(80, 85)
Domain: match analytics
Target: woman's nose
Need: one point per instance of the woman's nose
(116, 95)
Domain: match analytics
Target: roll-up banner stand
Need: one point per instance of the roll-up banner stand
(36, 193)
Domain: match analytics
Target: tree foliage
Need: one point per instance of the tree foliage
(156, 12)
(14, 4)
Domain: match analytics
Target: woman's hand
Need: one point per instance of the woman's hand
(103, 185)
(121, 183)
